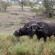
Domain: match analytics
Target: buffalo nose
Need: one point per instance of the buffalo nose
(15, 34)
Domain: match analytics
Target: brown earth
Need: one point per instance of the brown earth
(14, 18)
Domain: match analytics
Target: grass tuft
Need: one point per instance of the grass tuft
(10, 45)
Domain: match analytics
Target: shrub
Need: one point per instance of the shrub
(4, 5)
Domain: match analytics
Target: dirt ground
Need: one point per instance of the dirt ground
(14, 18)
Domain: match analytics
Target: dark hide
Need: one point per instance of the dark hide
(48, 29)
(21, 32)
(28, 29)
(41, 29)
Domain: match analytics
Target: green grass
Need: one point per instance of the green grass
(14, 6)
(50, 19)
(18, 6)
(10, 45)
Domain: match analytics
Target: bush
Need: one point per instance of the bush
(31, 4)
(40, 11)
(0, 7)
(4, 5)
(48, 4)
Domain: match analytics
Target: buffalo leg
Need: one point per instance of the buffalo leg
(31, 36)
(49, 37)
(45, 37)
(38, 38)
(54, 35)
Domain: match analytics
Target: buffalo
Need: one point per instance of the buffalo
(41, 29)
(28, 29)
(46, 30)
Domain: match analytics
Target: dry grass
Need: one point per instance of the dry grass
(14, 18)
(10, 45)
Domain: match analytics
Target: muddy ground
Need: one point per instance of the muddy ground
(15, 18)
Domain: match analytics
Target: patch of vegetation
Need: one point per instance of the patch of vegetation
(10, 45)
(0, 24)
(14, 13)
(4, 5)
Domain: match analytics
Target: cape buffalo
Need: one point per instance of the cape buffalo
(23, 31)
(47, 29)
(28, 29)
(41, 29)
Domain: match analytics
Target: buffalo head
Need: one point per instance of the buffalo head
(17, 32)
(34, 27)
(21, 32)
